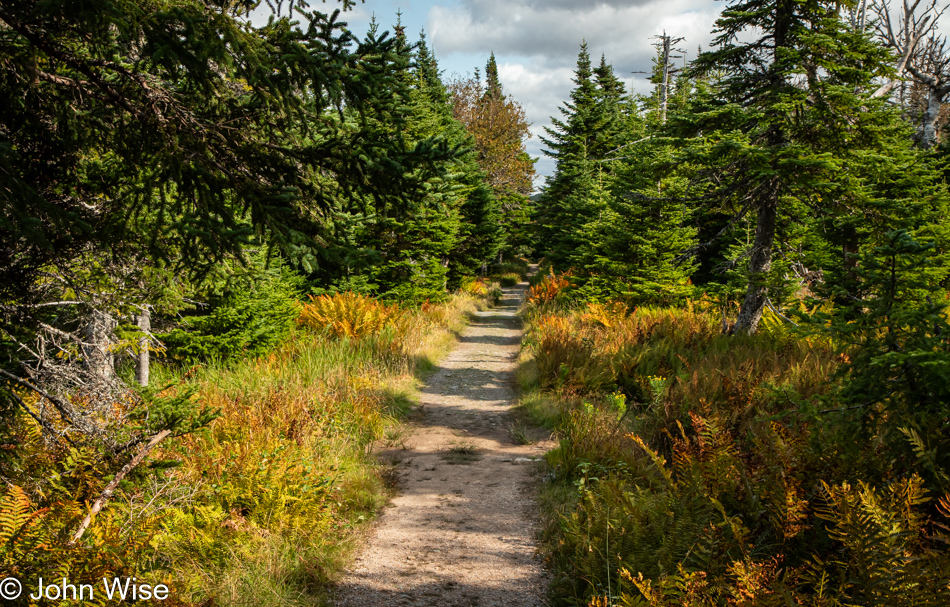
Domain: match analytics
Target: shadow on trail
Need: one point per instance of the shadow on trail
(470, 382)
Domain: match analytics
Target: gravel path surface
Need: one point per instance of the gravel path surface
(462, 530)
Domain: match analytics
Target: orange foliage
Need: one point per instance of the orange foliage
(549, 287)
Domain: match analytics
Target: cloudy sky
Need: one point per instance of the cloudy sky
(536, 41)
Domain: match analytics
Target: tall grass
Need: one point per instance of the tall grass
(700, 469)
(271, 497)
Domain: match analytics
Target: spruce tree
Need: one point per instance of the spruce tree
(493, 83)
(580, 144)
(568, 143)
(781, 100)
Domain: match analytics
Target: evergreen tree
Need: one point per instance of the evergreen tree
(628, 250)
(591, 130)
(783, 102)
(493, 83)
(414, 251)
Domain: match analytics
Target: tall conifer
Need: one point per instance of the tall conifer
(784, 94)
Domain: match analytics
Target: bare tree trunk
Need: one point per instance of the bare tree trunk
(759, 265)
(664, 91)
(99, 359)
(144, 322)
(928, 130)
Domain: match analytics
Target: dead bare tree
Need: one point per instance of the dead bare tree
(664, 46)
(930, 68)
(922, 57)
(60, 346)
(144, 322)
(903, 33)
(857, 15)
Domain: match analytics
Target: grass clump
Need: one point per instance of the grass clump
(461, 455)
(509, 279)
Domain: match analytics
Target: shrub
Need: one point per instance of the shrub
(250, 314)
(896, 378)
(481, 288)
(350, 315)
(549, 288)
(509, 279)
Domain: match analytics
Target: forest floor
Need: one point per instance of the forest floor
(462, 530)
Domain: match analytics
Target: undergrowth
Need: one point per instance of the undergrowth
(695, 468)
(264, 505)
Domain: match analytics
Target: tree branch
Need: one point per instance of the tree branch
(114, 483)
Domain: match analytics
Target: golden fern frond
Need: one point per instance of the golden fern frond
(348, 315)
(14, 512)
(18, 524)
(656, 457)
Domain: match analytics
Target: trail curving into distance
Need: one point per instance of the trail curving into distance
(462, 530)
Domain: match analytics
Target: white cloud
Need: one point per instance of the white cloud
(538, 89)
(536, 43)
(551, 31)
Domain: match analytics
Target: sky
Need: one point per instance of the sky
(536, 42)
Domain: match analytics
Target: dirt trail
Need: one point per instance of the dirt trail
(461, 532)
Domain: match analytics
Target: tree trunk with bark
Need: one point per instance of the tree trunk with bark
(759, 265)
(144, 322)
(99, 359)
(928, 128)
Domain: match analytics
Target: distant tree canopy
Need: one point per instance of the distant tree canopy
(764, 171)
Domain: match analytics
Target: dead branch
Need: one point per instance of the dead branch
(114, 483)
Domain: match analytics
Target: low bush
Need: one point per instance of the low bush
(248, 314)
(549, 288)
(481, 288)
(509, 279)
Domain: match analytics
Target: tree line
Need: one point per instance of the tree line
(766, 168)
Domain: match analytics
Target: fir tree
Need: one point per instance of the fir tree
(781, 101)
(580, 143)
(493, 84)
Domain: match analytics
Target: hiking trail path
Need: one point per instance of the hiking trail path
(462, 530)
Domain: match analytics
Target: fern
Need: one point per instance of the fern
(926, 456)
(349, 315)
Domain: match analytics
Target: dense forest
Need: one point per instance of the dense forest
(230, 250)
